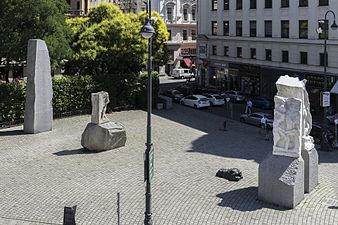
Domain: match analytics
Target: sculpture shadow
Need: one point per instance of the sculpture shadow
(240, 141)
(245, 200)
(73, 152)
(12, 133)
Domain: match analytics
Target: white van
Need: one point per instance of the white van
(182, 73)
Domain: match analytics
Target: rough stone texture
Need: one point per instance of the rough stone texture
(281, 180)
(105, 136)
(38, 105)
(100, 101)
(310, 158)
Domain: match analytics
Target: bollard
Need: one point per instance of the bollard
(225, 125)
(69, 215)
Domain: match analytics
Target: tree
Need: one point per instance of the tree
(21, 20)
(160, 49)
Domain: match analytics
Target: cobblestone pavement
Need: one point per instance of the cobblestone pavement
(40, 174)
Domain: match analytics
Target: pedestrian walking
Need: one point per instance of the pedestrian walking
(264, 124)
(248, 106)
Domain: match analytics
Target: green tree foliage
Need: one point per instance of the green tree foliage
(21, 20)
(160, 50)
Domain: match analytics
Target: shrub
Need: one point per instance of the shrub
(142, 89)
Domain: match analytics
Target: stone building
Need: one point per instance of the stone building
(180, 17)
(247, 44)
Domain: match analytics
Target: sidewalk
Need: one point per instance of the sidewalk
(40, 174)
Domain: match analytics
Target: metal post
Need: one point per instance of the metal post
(118, 208)
(148, 215)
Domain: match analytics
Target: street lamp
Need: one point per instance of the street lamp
(333, 27)
(147, 32)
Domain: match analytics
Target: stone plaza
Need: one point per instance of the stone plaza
(43, 173)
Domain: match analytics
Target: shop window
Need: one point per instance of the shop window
(285, 56)
(303, 58)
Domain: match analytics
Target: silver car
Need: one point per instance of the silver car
(255, 119)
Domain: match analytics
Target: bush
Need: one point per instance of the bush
(12, 101)
(142, 89)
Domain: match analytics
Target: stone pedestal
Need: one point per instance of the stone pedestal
(310, 169)
(38, 106)
(105, 136)
(281, 180)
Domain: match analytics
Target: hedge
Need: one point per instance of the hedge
(72, 94)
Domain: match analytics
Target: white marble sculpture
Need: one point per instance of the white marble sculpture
(102, 134)
(38, 106)
(100, 101)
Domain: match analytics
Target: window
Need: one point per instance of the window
(213, 27)
(285, 29)
(268, 28)
(253, 4)
(214, 50)
(268, 54)
(253, 28)
(303, 27)
(239, 52)
(213, 5)
(239, 4)
(193, 34)
(226, 28)
(238, 28)
(253, 53)
(268, 4)
(185, 14)
(226, 51)
(303, 57)
(169, 13)
(185, 35)
(324, 25)
(323, 2)
(226, 4)
(285, 56)
(303, 3)
(193, 13)
(170, 38)
(321, 58)
(284, 3)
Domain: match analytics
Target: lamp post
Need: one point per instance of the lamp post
(333, 27)
(147, 32)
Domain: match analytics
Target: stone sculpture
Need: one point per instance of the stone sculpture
(284, 175)
(38, 106)
(102, 134)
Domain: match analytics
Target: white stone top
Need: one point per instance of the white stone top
(290, 82)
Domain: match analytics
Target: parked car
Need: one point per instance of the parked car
(215, 99)
(196, 101)
(255, 119)
(175, 95)
(262, 102)
(189, 89)
(182, 73)
(235, 96)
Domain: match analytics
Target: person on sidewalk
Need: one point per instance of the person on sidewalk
(264, 124)
(248, 106)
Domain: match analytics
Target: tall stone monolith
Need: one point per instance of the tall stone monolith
(38, 105)
(281, 174)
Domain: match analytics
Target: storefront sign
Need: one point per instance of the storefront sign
(325, 99)
(202, 51)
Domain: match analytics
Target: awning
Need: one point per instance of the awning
(334, 90)
(187, 62)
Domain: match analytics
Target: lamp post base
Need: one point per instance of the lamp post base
(148, 220)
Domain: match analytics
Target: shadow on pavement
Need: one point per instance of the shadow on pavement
(73, 152)
(240, 141)
(245, 200)
(12, 133)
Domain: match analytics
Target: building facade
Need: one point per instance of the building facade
(247, 44)
(180, 17)
(81, 7)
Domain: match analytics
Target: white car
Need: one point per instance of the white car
(196, 101)
(182, 73)
(215, 99)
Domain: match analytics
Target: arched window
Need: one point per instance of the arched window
(193, 13)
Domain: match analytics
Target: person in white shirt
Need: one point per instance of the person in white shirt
(248, 107)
